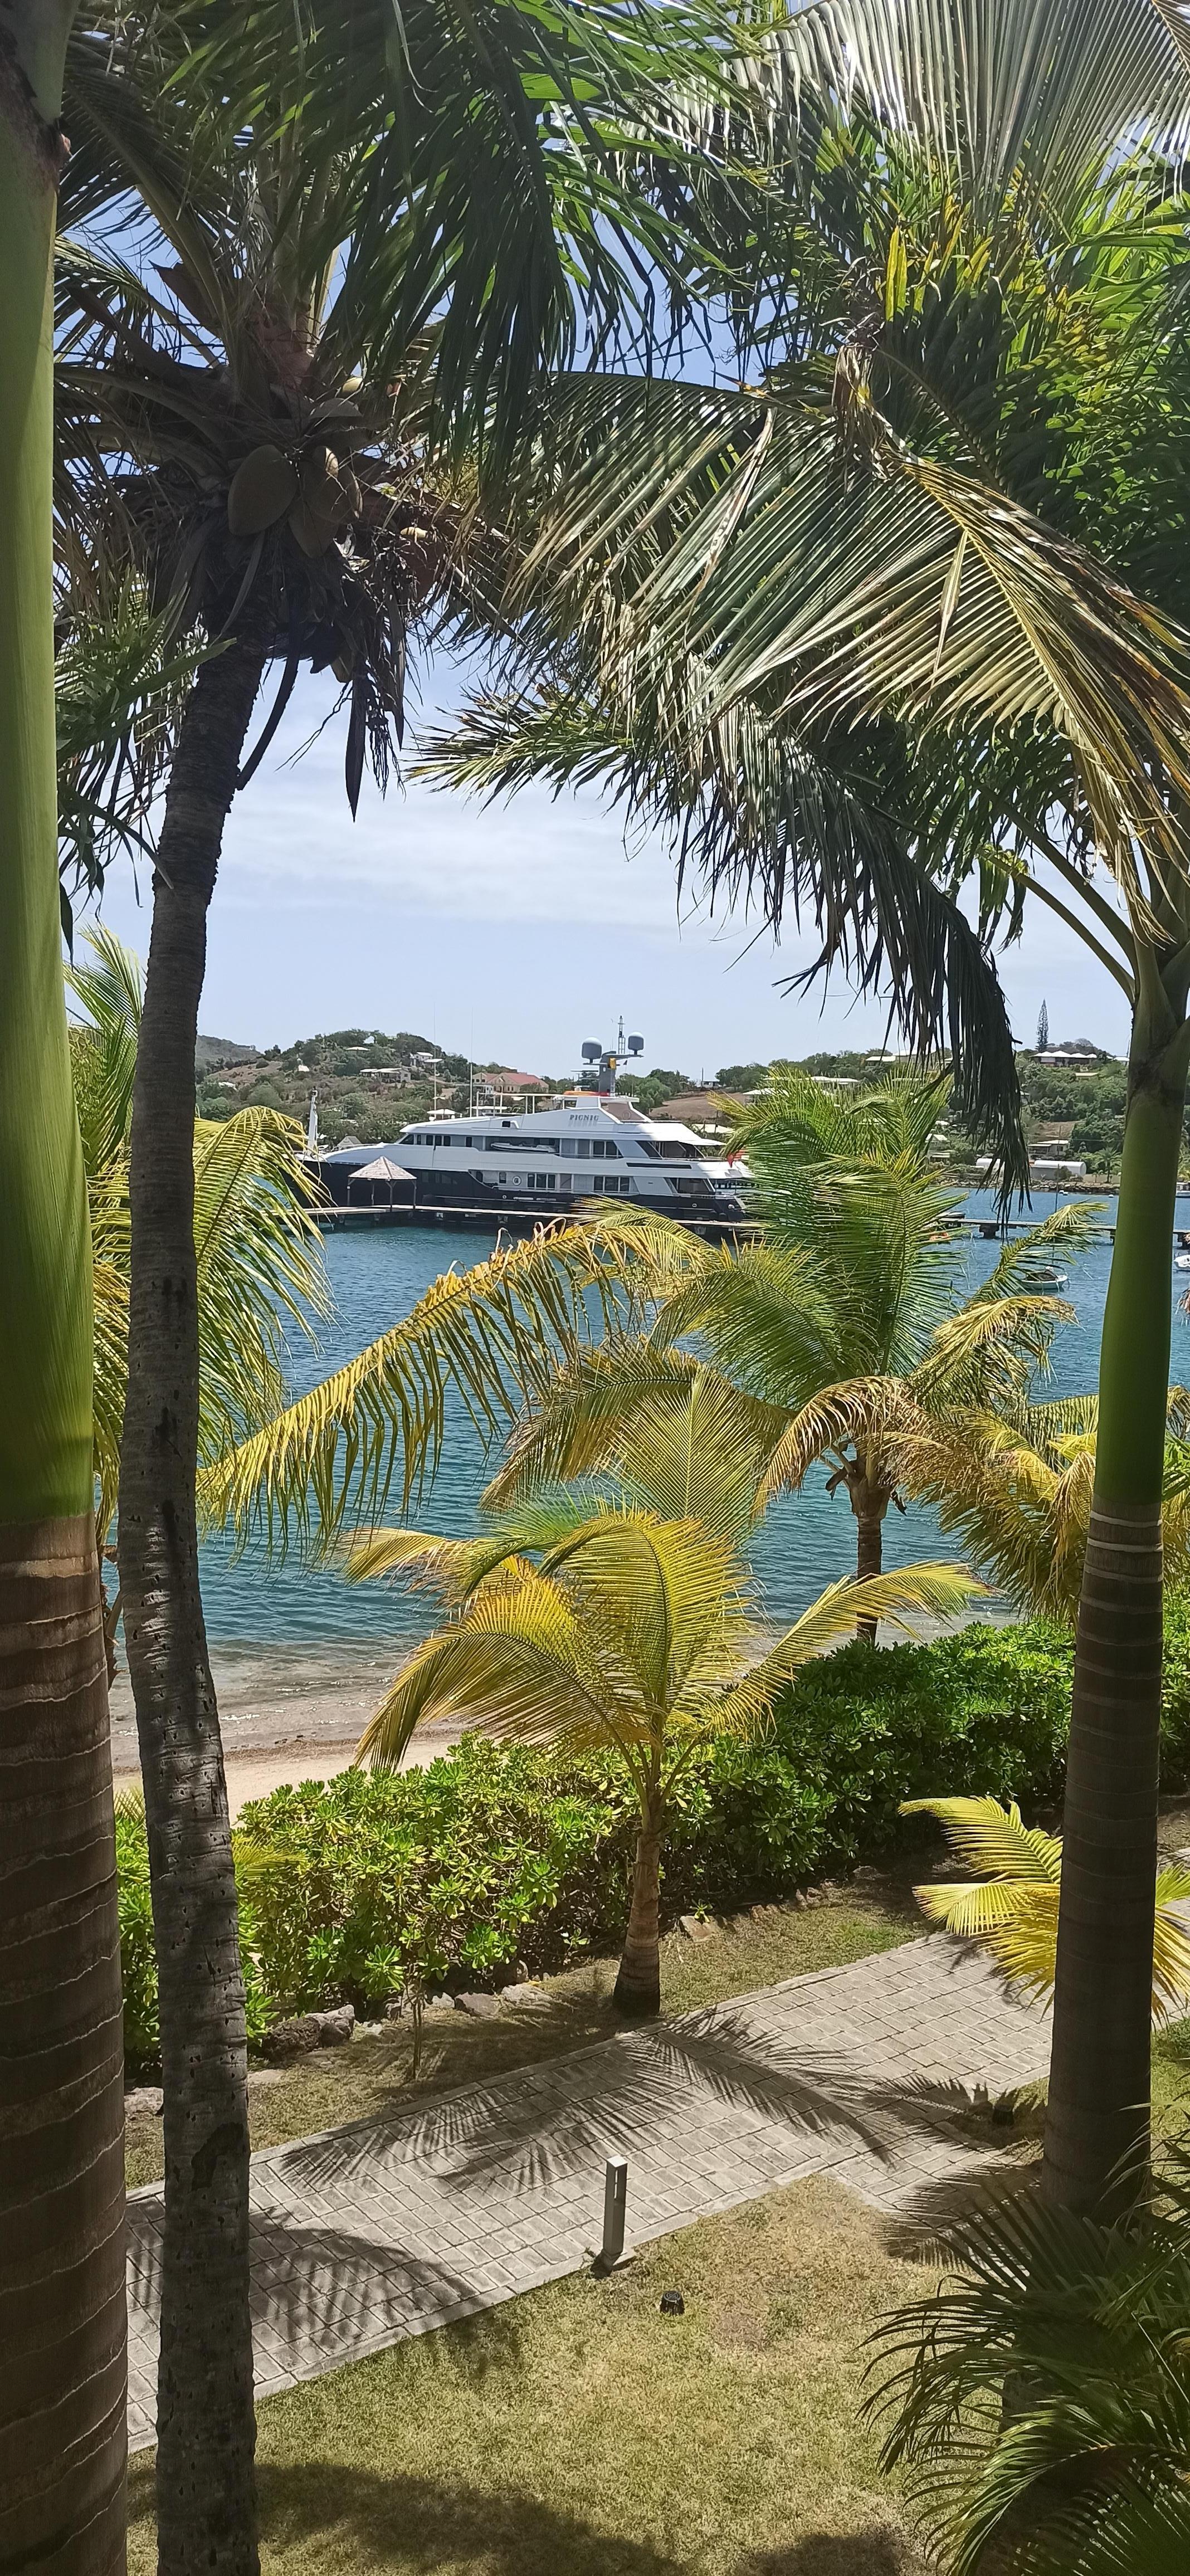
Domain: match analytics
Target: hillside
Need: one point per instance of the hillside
(369, 1082)
(210, 1054)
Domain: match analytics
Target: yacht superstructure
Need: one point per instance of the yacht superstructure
(589, 1147)
(544, 1162)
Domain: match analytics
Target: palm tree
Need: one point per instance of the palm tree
(839, 1323)
(1040, 2395)
(369, 227)
(1016, 1487)
(626, 1623)
(1011, 1906)
(902, 618)
(258, 1256)
(62, 2437)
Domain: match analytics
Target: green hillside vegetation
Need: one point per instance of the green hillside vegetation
(369, 1082)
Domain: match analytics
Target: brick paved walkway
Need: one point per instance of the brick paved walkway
(368, 2234)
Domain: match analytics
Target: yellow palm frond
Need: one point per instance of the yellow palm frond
(518, 1664)
(993, 1839)
(679, 1439)
(1012, 1910)
(934, 1590)
(667, 1595)
(1171, 1946)
(858, 1413)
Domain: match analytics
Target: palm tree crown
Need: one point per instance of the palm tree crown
(625, 1622)
(842, 1321)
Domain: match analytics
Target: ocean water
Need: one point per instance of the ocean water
(310, 1615)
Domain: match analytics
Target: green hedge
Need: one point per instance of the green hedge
(490, 1857)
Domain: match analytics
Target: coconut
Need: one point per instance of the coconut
(263, 487)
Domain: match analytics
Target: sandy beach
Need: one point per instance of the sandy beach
(286, 1715)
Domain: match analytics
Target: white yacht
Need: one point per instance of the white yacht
(543, 1162)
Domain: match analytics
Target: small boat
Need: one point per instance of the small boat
(1057, 1278)
(1181, 1261)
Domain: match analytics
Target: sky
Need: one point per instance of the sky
(512, 932)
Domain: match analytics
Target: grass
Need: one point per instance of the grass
(374, 2076)
(577, 2432)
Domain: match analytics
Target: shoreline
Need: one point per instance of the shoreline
(290, 1713)
(287, 1714)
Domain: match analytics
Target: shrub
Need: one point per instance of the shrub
(490, 1857)
(380, 1878)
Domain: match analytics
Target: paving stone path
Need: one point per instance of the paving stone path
(368, 2234)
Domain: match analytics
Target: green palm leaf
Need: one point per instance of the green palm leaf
(331, 1459)
(1039, 2395)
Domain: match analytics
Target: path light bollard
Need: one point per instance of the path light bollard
(615, 2206)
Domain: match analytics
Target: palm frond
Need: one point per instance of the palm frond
(259, 1260)
(1083, 2466)
(332, 1459)
(518, 1665)
(1012, 1906)
(993, 1839)
(1026, 1257)
(1000, 93)
(673, 1434)
(936, 1591)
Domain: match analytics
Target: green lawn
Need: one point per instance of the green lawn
(372, 2077)
(577, 2432)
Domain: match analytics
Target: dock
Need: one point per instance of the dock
(518, 1221)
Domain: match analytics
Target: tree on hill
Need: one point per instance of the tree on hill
(649, 1090)
(742, 1077)
(1043, 1030)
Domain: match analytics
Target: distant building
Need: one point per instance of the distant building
(502, 1077)
(700, 1108)
(1070, 1056)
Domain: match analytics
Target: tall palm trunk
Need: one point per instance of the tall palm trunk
(62, 2386)
(638, 1983)
(869, 1504)
(206, 2426)
(1099, 2071)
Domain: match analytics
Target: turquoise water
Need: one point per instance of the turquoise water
(806, 1542)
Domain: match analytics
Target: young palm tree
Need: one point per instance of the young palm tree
(840, 1321)
(1011, 1904)
(258, 1254)
(1040, 2396)
(629, 1624)
(904, 618)
(62, 2380)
